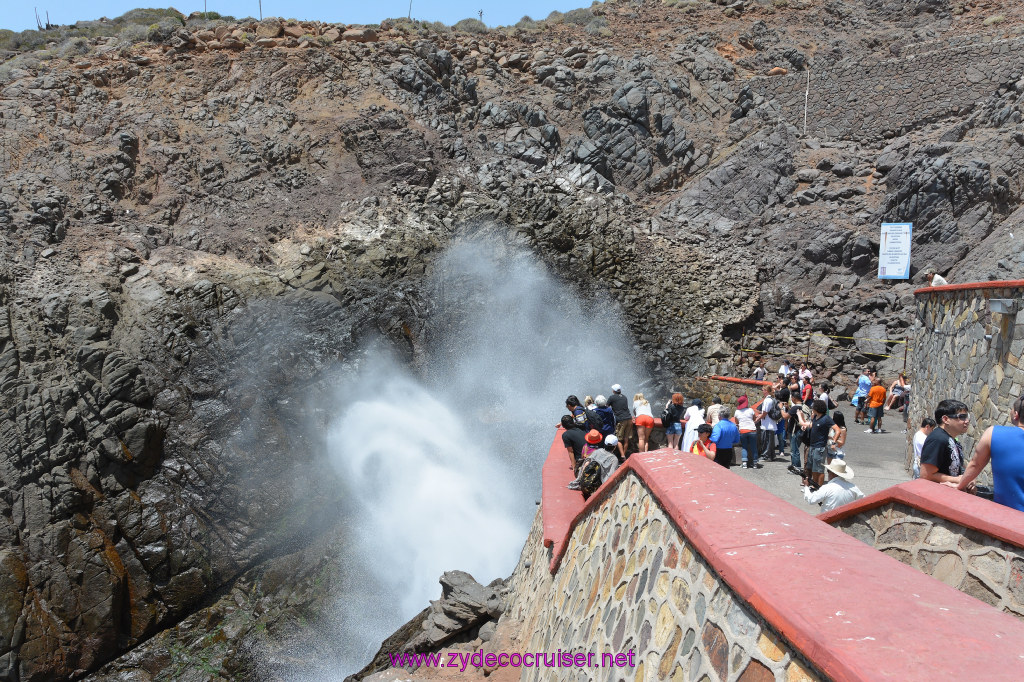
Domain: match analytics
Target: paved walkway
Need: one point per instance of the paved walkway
(877, 460)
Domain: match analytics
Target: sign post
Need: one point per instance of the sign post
(894, 251)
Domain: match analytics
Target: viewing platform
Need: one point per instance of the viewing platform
(735, 580)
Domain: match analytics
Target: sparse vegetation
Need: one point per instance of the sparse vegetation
(579, 17)
(470, 26)
(30, 40)
(163, 30)
(555, 17)
(527, 24)
(133, 33)
(598, 26)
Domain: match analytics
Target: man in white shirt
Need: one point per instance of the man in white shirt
(927, 426)
(933, 278)
(805, 373)
(784, 369)
(769, 426)
(839, 489)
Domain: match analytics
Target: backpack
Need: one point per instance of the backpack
(594, 419)
(669, 415)
(775, 414)
(590, 478)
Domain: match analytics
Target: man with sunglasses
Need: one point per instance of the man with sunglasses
(1004, 446)
(942, 458)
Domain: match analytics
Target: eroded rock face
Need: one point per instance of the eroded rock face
(195, 245)
(466, 611)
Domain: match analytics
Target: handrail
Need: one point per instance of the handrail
(1006, 284)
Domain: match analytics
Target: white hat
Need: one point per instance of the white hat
(601, 401)
(838, 467)
(611, 440)
(617, 388)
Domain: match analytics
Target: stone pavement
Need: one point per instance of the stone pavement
(877, 460)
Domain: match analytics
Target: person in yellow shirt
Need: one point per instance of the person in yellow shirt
(876, 399)
(703, 445)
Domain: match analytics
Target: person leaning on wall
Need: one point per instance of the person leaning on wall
(1004, 447)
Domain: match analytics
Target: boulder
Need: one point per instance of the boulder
(295, 31)
(332, 34)
(778, 71)
(268, 28)
(360, 35)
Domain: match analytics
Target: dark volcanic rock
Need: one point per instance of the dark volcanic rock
(200, 234)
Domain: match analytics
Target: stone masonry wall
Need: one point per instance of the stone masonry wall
(951, 358)
(865, 100)
(630, 581)
(976, 564)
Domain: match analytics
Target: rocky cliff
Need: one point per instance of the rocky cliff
(167, 206)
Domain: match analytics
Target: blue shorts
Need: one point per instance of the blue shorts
(816, 460)
(677, 427)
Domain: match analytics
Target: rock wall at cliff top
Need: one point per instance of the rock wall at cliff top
(167, 207)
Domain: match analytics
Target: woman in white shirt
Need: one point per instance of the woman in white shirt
(693, 418)
(643, 418)
(748, 432)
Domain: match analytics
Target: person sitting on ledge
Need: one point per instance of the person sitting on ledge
(703, 445)
(838, 490)
(932, 276)
(711, 417)
(600, 464)
(942, 458)
(1004, 446)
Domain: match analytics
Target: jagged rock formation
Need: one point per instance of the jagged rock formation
(165, 211)
(466, 611)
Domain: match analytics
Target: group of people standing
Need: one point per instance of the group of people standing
(939, 456)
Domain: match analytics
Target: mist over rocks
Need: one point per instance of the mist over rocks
(201, 239)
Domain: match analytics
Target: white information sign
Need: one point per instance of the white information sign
(894, 251)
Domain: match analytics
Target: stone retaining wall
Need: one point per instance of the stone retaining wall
(974, 563)
(705, 576)
(951, 357)
(865, 100)
(630, 581)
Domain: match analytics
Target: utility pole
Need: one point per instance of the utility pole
(410, 10)
(261, 10)
(481, 14)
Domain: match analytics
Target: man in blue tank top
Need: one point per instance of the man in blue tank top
(1004, 446)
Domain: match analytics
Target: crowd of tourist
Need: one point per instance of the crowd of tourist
(600, 433)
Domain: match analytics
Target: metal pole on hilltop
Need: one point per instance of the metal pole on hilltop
(261, 10)
(410, 10)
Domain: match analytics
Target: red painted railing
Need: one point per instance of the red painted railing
(1006, 284)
